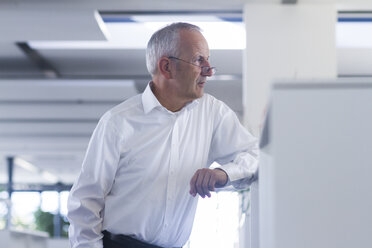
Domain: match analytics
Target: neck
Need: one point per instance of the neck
(167, 98)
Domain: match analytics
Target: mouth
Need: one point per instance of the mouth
(201, 84)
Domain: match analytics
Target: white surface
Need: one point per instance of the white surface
(285, 42)
(23, 239)
(316, 192)
(58, 243)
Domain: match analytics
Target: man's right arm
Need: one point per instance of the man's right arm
(86, 199)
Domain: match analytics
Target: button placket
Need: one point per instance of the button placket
(173, 163)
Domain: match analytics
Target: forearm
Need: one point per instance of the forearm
(84, 207)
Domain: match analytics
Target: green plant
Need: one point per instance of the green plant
(44, 221)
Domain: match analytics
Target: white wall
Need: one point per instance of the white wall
(315, 189)
(285, 42)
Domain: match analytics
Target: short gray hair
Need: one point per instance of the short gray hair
(165, 42)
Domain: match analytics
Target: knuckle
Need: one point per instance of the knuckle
(212, 182)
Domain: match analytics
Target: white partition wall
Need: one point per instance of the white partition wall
(282, 42)
(316, 187)
(285, 42)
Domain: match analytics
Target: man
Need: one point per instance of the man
(149, 156)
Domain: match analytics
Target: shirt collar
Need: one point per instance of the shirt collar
(149, 101)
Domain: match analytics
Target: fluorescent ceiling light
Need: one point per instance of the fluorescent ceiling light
(26, 165)
(135, 34)
(34, 169)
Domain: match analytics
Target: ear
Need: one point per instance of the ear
(164, 67)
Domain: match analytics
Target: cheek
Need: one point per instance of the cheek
(196, 76)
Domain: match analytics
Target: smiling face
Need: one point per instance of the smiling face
(188, 80)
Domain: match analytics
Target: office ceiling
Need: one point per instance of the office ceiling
(51, 100)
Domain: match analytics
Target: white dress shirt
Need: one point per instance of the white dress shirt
(135, 178)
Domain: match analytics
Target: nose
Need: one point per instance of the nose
(207, 70)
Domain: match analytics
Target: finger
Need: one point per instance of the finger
(193, 180)
(212, 183)
(199, 183)
(205, 184)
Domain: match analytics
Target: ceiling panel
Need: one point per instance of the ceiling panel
(49, 122)
(59, 90)
(23, 24)
(127, 63)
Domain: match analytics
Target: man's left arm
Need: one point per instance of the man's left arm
(236, 150)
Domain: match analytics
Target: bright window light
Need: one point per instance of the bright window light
(24, 204)
(134, 33)
(64, 197)
(49, 201)
(3, 213)
(216, 222)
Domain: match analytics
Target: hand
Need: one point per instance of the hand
(206, 180)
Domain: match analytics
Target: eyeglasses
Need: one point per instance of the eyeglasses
(204, 69)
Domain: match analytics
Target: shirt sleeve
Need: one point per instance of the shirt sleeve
(86, 198)
(235, 149)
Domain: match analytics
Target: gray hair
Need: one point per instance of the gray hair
(165, 42)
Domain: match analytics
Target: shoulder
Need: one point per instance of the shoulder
(214, 105)
(218, 112)
(119, 113)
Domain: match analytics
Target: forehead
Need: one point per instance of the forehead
(193, 43)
